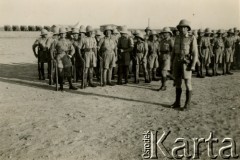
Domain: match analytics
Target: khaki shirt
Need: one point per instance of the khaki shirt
(218, 43)
(229, 42)
(140, 47)
(88, 43)
(166, 45)
(63, 46)
(153, 47)
(41, 43)
(107, 44)
(205, 42)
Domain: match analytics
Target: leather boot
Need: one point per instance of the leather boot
(91, 80)
(155, 75)
(188, 100)
(163, 87)
(177, 104)
(70, 84)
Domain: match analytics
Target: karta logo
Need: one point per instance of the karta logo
(153, 147)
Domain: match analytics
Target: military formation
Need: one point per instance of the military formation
(94, 57)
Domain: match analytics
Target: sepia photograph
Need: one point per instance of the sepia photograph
(119, 79)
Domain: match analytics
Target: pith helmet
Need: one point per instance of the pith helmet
(230, 31)
(68, 29)
(98, 33)
(124, 30)
(75, 31)
(82, 29)
(148, 29)
(166, 30)
(89, 29)
(208, 31)
(107, 28)
(62, 30)
(220, 31)
(115, 31)
(140, 35)
(44, 32)
(200, 30)
(184, 23)
(153, 33)
(55, 30)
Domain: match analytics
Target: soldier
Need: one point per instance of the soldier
(140, 52)
(76, 57)
(184, 59)
(89, 45)
(64, 52)
(98, 37)
(153, 52)
(166, 47)
(229, 43)
(42, 54)
(147, 31)
(218, 51)
(116, 35)
(108, 52)
(198, 63)
(125, 47)
(50, 42)
(205, 52)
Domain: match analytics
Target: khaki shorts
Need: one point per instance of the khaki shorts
(180, 70)
(153, 61)
(229, 55)
(206, 56)
(63, 60)
(90, 60)
(218, 55)
(109, 60)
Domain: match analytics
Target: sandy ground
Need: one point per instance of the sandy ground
(107, 123)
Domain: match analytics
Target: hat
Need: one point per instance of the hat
(62, 30)
(220, 31)
(208, 31)
(230, 31)
(55, 30)
(140, 35)
(89, 29)
(148, 29)
(153, 33)
(184, 23)
(98, 33)
(108, 28)
(68, 29)
(44, 32)
(115, 31)
(124, 30)
(166, 30)
(201, 30)
(82, 29)
(75, 31)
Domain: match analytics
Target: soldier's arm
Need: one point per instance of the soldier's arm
(72, 51)
(146, 50)
(36, 43)
(194, 53)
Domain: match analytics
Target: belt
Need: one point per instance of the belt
(88, 49)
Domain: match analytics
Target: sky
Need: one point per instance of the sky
(132, 13)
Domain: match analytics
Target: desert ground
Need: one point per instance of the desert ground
(103, 123)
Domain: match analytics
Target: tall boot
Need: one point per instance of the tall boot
(188, 100)
(198, 71)
(42, 71)
(104, 77)
(155, 75)
(216, 69)
(109, 77)
(150, 75)
(207, 72)
(229, 68)
(70, 83)
(126, 74)
(146, 77)
(120, 74)
(136, 80)
(91, 80)
(177, 104)
(60, 81)
(163, 87)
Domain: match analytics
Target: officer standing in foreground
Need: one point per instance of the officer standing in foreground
(108, 51)
(42, 54)
(64, 52)
(166, 47)
(125, 47)
(185, 54)
(140, 52)
(89, 45)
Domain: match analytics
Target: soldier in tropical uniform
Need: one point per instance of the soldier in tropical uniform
(64, 52)
(229, 44)
(108, 52)
(125, 47)
(166, 47)
(184, 58)
(140, 52)
(42, 53)
(89, 47)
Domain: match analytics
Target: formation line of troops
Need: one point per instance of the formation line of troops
(79, 54)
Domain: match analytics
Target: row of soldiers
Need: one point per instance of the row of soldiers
(84, 51)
